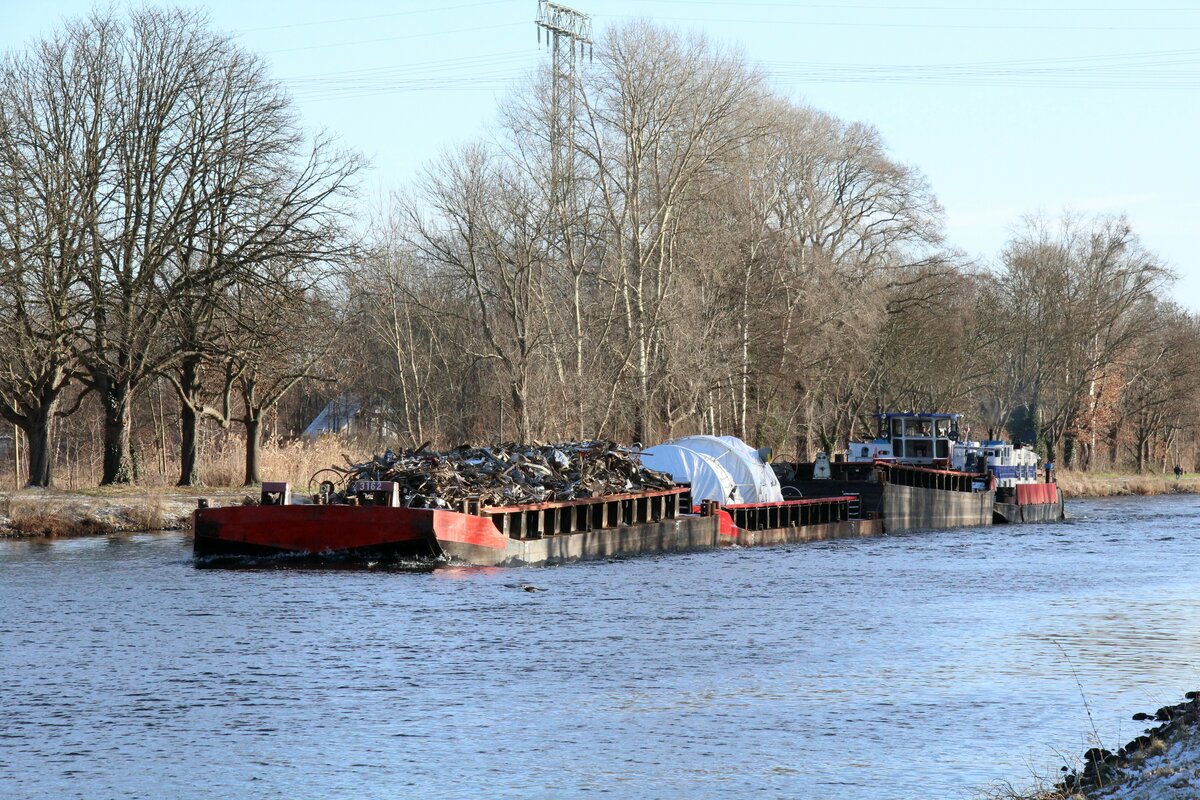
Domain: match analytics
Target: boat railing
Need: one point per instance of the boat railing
(929, 478)
(538, 520)
(795, 513)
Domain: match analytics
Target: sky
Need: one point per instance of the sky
(1008, 108)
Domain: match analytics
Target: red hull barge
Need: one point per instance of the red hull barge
(544, 533)
(1030, 502)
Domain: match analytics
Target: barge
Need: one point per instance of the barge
(718, 492)
(919, 473)
(371, 525)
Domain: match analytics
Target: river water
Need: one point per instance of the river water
(924, 665)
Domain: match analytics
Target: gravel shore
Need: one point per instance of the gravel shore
(1161, 764)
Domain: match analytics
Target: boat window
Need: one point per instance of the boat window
(943, 428)
(943, 448)
(897, 428)
(919, 449)
(866, 452)
(917, 427)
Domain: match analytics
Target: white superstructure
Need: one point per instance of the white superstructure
(1010, 465)
(921, 439)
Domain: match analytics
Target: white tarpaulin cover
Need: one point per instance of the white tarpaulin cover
(709, 479)
(752, 479)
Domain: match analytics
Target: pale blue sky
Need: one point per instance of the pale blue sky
(1007, 107)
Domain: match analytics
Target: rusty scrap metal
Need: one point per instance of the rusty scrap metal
(504, 475)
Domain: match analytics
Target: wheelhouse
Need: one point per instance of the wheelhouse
(920, 438)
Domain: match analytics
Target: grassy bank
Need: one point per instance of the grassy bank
(154, 503)
(1114, 484)
(100, 512)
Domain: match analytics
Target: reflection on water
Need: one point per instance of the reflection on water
(915, 666)
(316, 563)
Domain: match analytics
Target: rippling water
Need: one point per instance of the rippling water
(924, 665)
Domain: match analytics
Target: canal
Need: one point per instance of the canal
(915, 666)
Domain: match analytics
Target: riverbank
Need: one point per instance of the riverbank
(1161, 764)
(1110, 484)
(106, 510)
(33, 513)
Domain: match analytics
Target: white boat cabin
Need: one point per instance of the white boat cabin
(1011, 465)
(924, 439)
(935, 440)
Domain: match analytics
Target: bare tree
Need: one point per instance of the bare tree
(661, 113)
(282, 332)
(1079, 292)
(487, 234)
(168, 165)
(407, 362)
(271, 203)
(1157, 395)
(50, 143)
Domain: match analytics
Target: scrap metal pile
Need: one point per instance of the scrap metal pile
(507, 474)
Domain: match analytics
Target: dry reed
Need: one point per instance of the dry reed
(150, 514)
(25, 521)
(154, 503)
(295, 461)
(222, 464)
(1085, 484)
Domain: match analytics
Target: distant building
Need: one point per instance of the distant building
(338, 416)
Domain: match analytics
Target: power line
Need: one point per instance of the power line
(494, 71)
(484, 71)
(399, 38)
(415, 67)
(846, 6)
(1165, 70)
(432, 9)
(914, 25)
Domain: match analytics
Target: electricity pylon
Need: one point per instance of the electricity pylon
(568, 32)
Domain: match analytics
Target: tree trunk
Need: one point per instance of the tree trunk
(253, 423)
(1114, 447)
(642, 427)
(189, 422)
(744, 325)
(520, 411)
(37, 447)
(579, 382)
(118, 460)
(189, 429)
